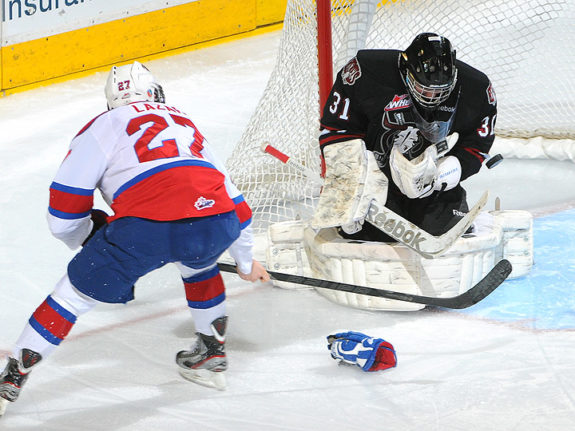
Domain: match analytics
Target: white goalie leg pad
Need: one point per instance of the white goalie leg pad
(497, 234)
(337, 259)
(395, 267)
(517, 244)
(352, 180)
(286, 252)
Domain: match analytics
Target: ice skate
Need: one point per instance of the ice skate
(206, 361)
(15, 375)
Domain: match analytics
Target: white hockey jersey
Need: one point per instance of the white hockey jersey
(148, 160)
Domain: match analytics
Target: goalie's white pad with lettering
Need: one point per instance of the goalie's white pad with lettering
(498, 234)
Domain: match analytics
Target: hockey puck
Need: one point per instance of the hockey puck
(494, 161)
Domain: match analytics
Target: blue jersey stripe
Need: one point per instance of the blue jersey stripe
(158, 169)
(72, 190)
(67, 216)
(238, 199)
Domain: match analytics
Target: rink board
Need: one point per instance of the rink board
(131, 34)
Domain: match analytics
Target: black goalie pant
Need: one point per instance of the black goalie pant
(435, 214)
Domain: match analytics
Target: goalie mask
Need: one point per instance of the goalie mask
(132, 83)
(428, 70)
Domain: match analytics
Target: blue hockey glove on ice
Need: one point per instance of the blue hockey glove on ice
(355, 348)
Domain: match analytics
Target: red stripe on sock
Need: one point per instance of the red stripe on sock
(53, 322)
(205, 290)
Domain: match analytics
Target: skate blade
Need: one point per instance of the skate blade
(207, 378)
(3, 404)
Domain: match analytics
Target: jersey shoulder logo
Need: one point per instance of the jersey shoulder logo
(202, 203)
(351, 72)
(398, 102)
(491, 98)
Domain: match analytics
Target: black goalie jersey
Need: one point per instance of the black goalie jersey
(370, 101)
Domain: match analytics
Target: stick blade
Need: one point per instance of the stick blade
(485, 287)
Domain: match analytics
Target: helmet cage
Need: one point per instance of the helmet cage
(429, 96)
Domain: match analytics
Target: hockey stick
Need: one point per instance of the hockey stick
(486, 285)
(407, 233)
(427, 245)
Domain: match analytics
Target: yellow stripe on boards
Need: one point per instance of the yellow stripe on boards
(72, 54)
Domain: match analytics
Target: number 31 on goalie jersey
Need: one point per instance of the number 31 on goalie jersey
(487, 126)
(168, 148)
(334, 107)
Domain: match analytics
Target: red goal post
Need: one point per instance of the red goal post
(524, 46)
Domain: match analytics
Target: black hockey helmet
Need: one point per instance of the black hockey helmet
(428, 70)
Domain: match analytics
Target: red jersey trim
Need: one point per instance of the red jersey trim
(173, 194)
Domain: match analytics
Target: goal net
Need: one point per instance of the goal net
(524, 46)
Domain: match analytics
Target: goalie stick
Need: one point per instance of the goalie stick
(427, 245)
(407, 233)
(287, 160)
(482, 289)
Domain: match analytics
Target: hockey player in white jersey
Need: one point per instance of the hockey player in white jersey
(172, 201)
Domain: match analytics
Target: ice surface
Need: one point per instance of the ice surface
(507, 363)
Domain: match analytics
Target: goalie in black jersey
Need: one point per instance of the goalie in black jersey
(428, 119)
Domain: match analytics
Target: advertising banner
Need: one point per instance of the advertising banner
(25, 20)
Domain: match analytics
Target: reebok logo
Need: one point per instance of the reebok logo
(446, 108)
(395, 228)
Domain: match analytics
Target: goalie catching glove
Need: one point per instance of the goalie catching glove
(427, 173)
(355, 348)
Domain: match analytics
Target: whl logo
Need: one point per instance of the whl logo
(398, 102)
(395, 228)
(202, 203)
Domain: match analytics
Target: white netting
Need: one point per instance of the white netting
(524, 46)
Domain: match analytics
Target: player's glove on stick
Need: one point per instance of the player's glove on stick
(99, 219)
(355, 348)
